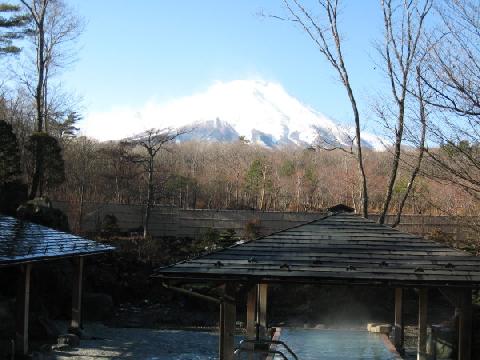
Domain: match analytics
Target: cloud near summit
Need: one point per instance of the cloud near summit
(253, 108)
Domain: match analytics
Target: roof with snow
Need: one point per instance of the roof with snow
(339, 248)
(24, 242)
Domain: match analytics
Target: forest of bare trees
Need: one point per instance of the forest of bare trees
(244, 176)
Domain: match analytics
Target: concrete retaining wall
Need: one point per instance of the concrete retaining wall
(169, 221)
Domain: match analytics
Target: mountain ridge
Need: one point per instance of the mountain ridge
(261, 112)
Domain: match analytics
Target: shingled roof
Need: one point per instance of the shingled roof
(23, 242)
(338, 248)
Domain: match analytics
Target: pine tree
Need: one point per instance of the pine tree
(53, 165)
(9, 154)
(12, 27)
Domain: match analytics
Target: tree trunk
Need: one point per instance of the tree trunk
(38, 174)
(262, 193)
(395, 162)
(149, 201)
(421, 151)
(361, 167)
(80, 212)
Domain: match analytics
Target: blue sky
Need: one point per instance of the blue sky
(135, 51)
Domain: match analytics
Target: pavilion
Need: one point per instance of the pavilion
(339, 248)
(24, 244)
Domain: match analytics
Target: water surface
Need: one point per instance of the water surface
(335, 344)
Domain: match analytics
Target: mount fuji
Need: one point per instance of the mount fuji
(259, 111)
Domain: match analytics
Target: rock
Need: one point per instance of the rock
(443, 339)
(71, 340)
(379, 328)
(97, 306)
(40, 211)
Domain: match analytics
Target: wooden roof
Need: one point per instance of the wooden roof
(338, 248)
(23, 242)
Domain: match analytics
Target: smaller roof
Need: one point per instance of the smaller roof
(338, 248)
(23, 242)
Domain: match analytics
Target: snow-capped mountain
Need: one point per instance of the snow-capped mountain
(262, 112)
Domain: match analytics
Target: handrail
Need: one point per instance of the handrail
(273, 352)
(276, 342)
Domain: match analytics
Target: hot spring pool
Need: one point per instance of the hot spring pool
(307, 344)
(335, 344)
(149, 344)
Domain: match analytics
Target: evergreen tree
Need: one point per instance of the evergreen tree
(258, 180)
(12, 191)
(12, 27)
(66, 128)
(9, 154)
(53, 165)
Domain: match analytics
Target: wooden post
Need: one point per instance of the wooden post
(22, 309)
(227, 326)
(252, 313)
(399, 331)
(422, 324)
(262, 310)
(465, 325)
(77, 292)
(221, 332)
(251, 318)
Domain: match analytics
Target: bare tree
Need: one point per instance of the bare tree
(151, 142)
(404, 26)
(81, 166)
(453, 80)
(323, 31)
(54, 27)
(415, 169)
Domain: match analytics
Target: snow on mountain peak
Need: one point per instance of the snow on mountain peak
(263, 112)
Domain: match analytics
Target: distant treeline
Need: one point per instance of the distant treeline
(201, 175)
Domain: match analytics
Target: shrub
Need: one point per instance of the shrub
(110, 225)
(252, 229)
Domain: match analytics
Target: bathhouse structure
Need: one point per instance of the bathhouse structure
(23, 245)
(339, 248)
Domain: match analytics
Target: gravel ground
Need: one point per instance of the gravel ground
(140, 344)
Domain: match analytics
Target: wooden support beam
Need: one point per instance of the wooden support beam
(252, 299)
(399, 328)
(22, 309)
(77, 295)
(221, 332)
(262, 310)
(465, 325)
(227, 326)
(252, 313)
(422, 324)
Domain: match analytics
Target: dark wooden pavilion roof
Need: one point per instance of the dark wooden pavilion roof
(24, 242)
(338, 248)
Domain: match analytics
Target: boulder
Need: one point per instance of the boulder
(40, 211)
(379, 328)
(70, 340)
